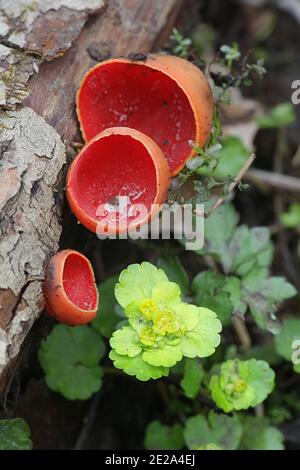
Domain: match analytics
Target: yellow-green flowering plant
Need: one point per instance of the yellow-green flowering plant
(241, 384)
(160, 327)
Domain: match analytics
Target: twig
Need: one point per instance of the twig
(232, 185)
(241, 331)
(88, 422)
(259, 410)
(273, 180)
(211, 263)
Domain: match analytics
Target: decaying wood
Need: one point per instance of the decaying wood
(34, 38)
(32, 156)
(124, 27)
(46, 28)
(15, 69)
(31, 32)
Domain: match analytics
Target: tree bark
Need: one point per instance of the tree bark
(45, 49)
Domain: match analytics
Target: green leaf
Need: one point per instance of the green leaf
(136, 283)
(218, 429)
(231, 53)
(263, 297)
(209, 290)
(125, 341)
(106, 319)
(239, 249)
(160, 437)
(268, 437)
(245, 247)
(192, 378)
(137, 366)
(280, 116)
(232, 157)
(69, 358)
(291, 218)
(277, 289)
(166, 356)
(14, 435)
(217, 240)
(166, 293)
(188, 315)
(175, 271)
(256, 274)
(233, 286)
(285, 340)
(240, 385)
(204, 338)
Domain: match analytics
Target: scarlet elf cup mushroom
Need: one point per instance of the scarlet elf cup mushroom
(165, 97)
(70, 292)
(117, 163)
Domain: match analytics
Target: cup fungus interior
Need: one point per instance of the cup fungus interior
(137, 96)
(78, 282)
(113, 175)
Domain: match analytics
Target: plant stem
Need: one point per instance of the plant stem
(242, 332)
(88, 422)
(232, 185)
(262, 178)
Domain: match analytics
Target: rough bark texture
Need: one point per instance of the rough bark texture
(32, 152)
(124, 27)
(46, 28)
(32, 156)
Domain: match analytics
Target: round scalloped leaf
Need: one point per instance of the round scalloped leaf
(69, 357)
(160, 437)
(14, 435)
(218, 429)
(136, 283)
(268, 437)
(240, 385)
(188, 315)
(204, 338)
(260, 376)
(137, 366)
(124, 341)
(166, 356)
(226, 402)
(166, 293)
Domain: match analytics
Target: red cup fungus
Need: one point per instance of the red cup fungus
(118, 181)
(165, 97)
(70, 292)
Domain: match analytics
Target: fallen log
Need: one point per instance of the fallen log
(45, 49)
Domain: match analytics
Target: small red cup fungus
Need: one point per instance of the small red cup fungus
(118, 181)
(70, 292)
(163, 96)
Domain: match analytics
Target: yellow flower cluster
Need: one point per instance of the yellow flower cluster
(160, 322)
